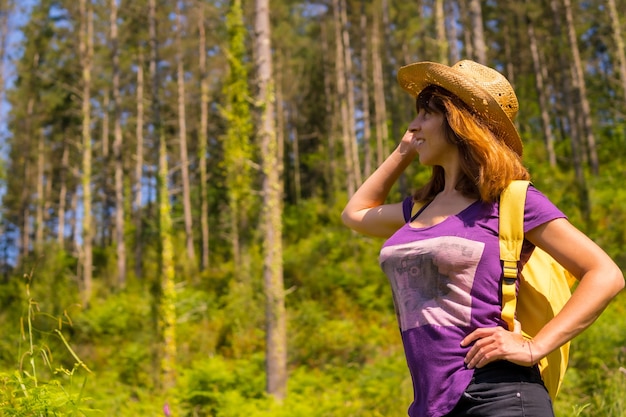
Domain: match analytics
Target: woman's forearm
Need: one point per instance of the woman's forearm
(372, 194)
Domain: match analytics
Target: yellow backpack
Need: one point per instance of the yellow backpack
(544, 287)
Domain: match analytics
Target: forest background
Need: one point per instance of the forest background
(173, 174)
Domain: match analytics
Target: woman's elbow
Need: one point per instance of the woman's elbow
(613, 279)
(349, 219)
(618, 280)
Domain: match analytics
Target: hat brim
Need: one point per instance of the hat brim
(413, 78)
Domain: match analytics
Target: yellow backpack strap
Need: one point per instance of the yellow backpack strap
(511, 237)
(417, 205)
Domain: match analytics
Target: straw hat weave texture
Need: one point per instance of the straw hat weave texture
(483, 89)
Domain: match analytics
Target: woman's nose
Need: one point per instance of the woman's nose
(414, 125)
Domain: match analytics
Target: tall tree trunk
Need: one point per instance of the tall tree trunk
(365, 96)
(105, 189)
(39, 209)
(581, 182)
(440, 24)
(167, 292)
(25, 195)
(120, 226)
(203, 137)
(569, 96)
(342, 96)
(182, 136)
(297, 169)
(581, 89)
(330, 173)
(65, 159)
(478, 35)
(47, 204)
(510, 57)
(347, 51)
(139, 167)
(541, 92)
(451, 17)
(74, 223)
(466, 22)
(271, 166)
(380, 106)
(283, 117)
(420, 33)
(86, 54)
(619, 44)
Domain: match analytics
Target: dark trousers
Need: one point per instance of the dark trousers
(503, 389)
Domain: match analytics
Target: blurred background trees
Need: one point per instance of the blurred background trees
(174, 173)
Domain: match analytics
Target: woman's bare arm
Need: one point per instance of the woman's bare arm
(366, 212)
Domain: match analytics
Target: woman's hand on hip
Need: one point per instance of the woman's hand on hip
(496, 343)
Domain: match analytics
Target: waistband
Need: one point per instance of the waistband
(505, 371)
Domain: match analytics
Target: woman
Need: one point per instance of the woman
(443, 263)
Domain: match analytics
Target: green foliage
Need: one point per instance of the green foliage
(40, 387)
(595, 383)
(22, 395)
(211, 384)
(53, 268)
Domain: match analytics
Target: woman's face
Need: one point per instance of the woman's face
(430, 139)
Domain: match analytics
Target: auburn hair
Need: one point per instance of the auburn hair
(488, 165)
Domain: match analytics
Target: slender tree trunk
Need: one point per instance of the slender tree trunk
(619, 44)
(342, 96)
(39, 210)
(440, 23)
(282, 117)
(182, 137)
(86, 53)
(297, 169)
(65, 159)
(466, 22)
(104, 141)
(275, 315)
(380, 106)
(347, 51)
(330, 173)
(167, 294)
(25, 197)
(421, 31)
(105, 189)
(203, 137)
(25, 220)
(47, 204)
(568, 97)
(139, 167)
(541, 93)
(452, 30)
(120, 218)
(509, 56)
(478, 36)
(577, 151)
(365, 96)
(74, 222)
(581, 89)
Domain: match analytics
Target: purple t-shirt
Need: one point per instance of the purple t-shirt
(445, 281)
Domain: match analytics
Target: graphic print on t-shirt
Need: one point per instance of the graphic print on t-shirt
(432, 280)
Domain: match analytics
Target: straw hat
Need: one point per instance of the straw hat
(483, 89)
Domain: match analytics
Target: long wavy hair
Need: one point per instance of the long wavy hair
(488, 165)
